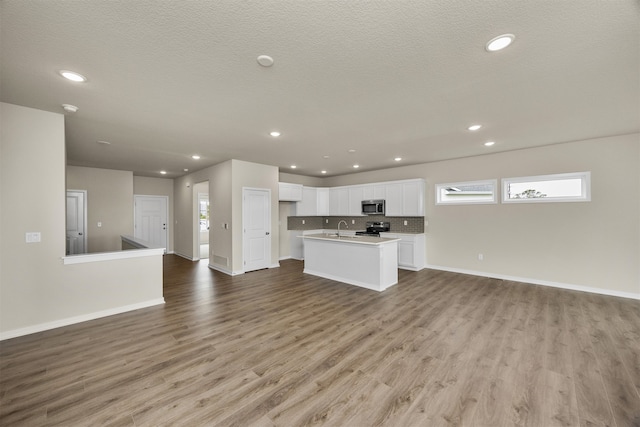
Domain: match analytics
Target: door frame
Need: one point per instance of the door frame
(199, 237)
(268, 221)
(166, 205)
(84, 208)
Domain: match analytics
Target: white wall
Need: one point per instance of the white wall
(109, 202)
(226, 181)
(220, 241)
(253, 175)
(37, 291)
(309, 181)
(593, 245)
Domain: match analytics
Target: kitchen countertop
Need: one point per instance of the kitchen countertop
(362, 240)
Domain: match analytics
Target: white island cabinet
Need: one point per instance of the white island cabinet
(368, 262)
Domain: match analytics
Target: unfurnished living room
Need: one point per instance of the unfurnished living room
(286, 213)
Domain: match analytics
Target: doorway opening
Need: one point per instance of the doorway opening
(203, 222)
(76, 222)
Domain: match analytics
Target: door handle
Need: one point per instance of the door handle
(267, 233)
(79, 234)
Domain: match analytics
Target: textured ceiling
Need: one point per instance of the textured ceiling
(168, 79)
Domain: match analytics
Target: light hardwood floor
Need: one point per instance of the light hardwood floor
(278, 347)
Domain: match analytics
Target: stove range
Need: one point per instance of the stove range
(374, 228)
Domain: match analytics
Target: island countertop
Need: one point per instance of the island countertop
(361, 240)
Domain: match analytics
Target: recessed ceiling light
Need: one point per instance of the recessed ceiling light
(195, 157)
(474, 127)
(185, 169)
(69, 108)
(323, 171)
(356, 166)
(489, 143)
(274, 134)
(104, 142)
(163, 172)
(293, 166)
(325, 157)
(397, 159)
(500, 42)
(73, 76)
(352, 151)
(265, 60)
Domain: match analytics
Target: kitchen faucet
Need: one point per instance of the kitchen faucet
(345, 223)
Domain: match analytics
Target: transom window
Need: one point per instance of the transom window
(566, 187)
(471, 192)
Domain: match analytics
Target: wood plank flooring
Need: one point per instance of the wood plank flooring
(281, 348)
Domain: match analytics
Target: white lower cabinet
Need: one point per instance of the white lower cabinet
(297, 243)
(411, 250)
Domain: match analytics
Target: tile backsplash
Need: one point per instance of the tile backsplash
(415, 224)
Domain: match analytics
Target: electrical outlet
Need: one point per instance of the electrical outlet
(326, 221)
(99, 224)
(480, 257)
(353, 221)
(303, 222)
(406, 222)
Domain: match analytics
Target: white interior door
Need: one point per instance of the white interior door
(76, 222)
(151, 219)
(256, 223)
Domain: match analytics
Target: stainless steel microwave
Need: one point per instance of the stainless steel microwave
(373, 207)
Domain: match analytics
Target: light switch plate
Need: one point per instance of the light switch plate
(33, 237)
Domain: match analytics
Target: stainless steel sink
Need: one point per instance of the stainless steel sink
(340, 236)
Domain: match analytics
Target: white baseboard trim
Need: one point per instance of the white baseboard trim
(284, 257)
(277, 265)
(225, 270)
(567, 286)
(402, 267)
(78, 319)
(343, 280)
(185, 256)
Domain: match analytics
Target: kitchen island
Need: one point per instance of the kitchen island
(365, 261)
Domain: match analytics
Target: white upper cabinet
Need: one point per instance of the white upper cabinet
(413, 198)
(323, 201)
(289, 192)
(403, 198)
(393, 204)
(309, 204)
(356, 196)
(339, 201)
(315, 202)
(375, 192)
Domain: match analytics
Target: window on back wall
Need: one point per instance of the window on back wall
(566, 187)
(472, 192)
